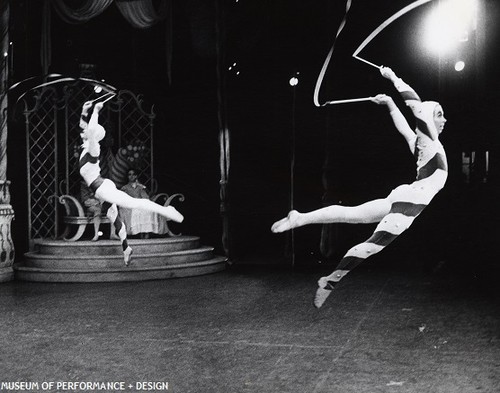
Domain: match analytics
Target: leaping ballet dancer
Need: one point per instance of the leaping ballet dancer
(396, 212)
(104, 189)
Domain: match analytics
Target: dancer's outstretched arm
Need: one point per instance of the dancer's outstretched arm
(406, 91)
(84, 117)
(398, 118)
(413, 101)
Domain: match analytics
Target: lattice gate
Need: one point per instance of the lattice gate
(53, 141)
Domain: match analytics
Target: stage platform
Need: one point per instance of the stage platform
(88, 261)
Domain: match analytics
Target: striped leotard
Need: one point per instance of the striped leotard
(408, 200)
(90, 171)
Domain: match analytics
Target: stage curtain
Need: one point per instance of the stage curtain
(141, 13)
(88, 10)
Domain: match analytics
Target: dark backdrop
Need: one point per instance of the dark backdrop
(349, 153)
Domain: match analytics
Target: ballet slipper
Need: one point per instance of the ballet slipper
(127, 255)
(287, 223)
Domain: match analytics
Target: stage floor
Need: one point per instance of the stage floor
(254, 329)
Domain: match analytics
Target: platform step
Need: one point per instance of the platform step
(112, 247)
(124, 273)
(102, 261)
(34, 259)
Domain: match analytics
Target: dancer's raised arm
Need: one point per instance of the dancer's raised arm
(398, 118)
(424, 118)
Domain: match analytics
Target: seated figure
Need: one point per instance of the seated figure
(140, 222)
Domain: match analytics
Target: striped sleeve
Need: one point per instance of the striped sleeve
(414, 102)
(406, 91)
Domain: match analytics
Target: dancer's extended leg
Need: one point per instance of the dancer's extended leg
(399, 219)
(352, 258)
(369, 212)
(108, 192)
(112, 214)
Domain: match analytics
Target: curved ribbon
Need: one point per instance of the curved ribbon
(106, 87)
(328, 57)
(24, 81)
(384, 24)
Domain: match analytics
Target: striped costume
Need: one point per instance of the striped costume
(408, 200)
(90, 171)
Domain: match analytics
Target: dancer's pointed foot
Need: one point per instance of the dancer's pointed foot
(287, 223)
(325, 288)
(172, 214)
(127, 255)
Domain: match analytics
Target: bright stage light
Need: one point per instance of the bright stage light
(459, 66)
(450, 24)
(294, 81)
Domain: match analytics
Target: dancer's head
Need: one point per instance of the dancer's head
(434, 115)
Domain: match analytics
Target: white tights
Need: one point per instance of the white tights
(108, 192)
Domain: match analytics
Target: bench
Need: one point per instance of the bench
(75, 215)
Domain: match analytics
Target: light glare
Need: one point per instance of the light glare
(449, 24)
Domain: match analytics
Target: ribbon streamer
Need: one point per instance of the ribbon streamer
(33, 78)
(328, 57)
(382, 26)
(61, 79)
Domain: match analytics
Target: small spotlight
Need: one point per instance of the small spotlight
(294, 81)
(97, 89)
(459, 66)
(5, 54)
